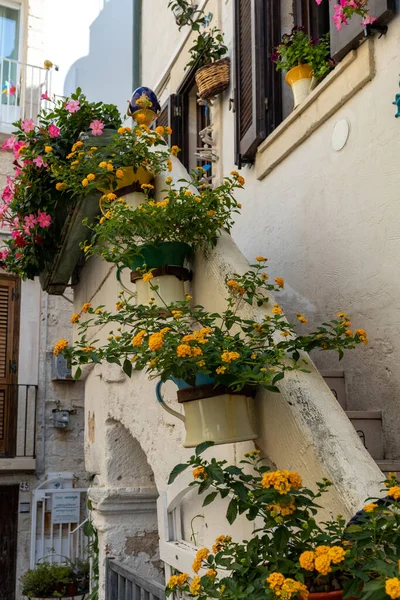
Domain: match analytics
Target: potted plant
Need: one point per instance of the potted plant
(291, 554)
(52, 580)
(304, 60)
(217, 360)
(59, 180)
(154, 238)
(208, 51)
(345, 9)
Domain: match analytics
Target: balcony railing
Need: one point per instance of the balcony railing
(18, 413)
(125, 584)
(21, 89)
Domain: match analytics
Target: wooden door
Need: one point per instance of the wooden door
(8, 540)
(9, 341)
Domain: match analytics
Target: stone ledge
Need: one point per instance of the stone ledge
(17, 464)
(350, 75)
(113, 500)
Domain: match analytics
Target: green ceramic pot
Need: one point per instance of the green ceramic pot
(166, 253)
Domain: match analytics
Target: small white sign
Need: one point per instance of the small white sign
(66, 508)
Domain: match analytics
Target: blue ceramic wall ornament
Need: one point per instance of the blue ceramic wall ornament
(143, 106)
(397, 103)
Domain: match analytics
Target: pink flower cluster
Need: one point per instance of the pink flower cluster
(345, 9)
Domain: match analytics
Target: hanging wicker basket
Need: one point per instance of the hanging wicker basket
(214, 78)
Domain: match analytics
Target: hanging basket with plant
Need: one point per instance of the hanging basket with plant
(217, 360)
(208, 52)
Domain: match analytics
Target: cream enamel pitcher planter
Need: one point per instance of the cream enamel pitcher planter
(212, 412)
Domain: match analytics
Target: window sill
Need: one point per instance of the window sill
(350, 75)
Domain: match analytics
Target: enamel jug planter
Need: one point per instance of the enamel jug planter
(300, 79)
(211, 413)
(166, 263)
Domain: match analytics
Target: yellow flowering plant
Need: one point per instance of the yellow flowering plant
(184, 341)
(291, 553)
(193, 214)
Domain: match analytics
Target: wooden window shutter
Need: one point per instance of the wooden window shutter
(348, 38)
(250, 78)
(9, 341)
(171, 115)
(312, 16)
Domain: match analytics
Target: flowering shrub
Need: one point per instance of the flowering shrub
(290, 553)
(345, 9)
(54, 170)
(184, 215)
(183, 341)
(298, 48)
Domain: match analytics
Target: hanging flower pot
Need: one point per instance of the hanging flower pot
(327, 596)
(300, 79)
(213, 78)
(168, 273)
(212, 412)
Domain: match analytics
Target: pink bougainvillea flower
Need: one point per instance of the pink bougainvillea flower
(72, 106)
(39, 162)
(43, 219)
(9, 143)
(97, 127)
(4, 253)
(45, 96)
(368, 20)
(17, 171)
(30, 222)
(8, 194)
(53, 131)
(28, 125)
(16, 148)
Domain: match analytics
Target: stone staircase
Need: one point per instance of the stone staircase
(367, 423)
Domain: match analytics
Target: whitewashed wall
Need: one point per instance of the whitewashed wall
(328, 221)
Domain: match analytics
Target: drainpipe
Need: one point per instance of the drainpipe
(136, 43)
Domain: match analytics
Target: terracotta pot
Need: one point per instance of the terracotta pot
(212, 413)
(300, 80)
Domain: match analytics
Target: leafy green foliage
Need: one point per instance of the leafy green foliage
(209, 45)
(51, 580)
(297, 48)
(184, 341)
(364, 555)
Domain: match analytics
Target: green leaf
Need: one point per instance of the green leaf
(231, 513)
(210, 498)
(203, 447)
(281, 538)
(177, 470)
(127, 367)
(78, 373)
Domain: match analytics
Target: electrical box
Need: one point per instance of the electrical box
(61, 418)
(61, 369)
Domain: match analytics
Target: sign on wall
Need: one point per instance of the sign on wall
(66, 507)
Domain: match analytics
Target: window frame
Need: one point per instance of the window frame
(17, 6)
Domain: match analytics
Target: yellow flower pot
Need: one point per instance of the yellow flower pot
(300, 80)
(131, 181)
(213, 414)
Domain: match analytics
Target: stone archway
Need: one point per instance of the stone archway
(125, 506)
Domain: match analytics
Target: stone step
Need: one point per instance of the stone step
(336, 382)
(368, 424)
(389, 466)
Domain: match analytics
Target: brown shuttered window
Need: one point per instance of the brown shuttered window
(9, 339)
(257, 86)
(349, 37)
(312, 16)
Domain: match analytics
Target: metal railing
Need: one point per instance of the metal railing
(125, 584)
(18, 408)
(21, 89)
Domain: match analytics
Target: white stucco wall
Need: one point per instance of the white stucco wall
(328, 220)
